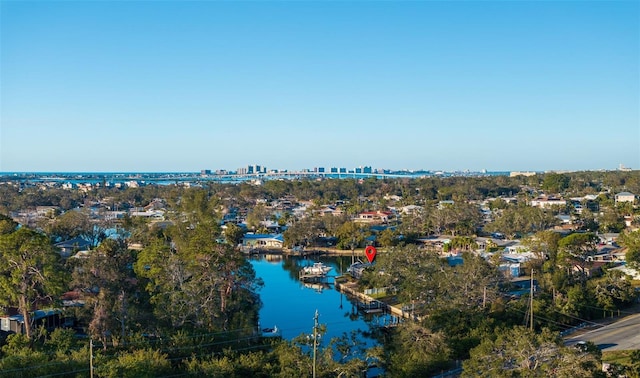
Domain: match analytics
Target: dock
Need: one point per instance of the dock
(312, 277)
(366, 300)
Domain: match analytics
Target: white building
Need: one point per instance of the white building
(625, 197)
(545, 203)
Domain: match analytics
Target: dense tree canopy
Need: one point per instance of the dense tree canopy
(30, 272)
(519, 352)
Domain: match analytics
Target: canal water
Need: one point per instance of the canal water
(290, 304)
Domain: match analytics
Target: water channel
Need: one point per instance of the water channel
(290, 304)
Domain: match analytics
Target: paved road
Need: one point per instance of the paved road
(621, 335)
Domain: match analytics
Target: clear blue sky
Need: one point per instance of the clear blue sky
(184, 86)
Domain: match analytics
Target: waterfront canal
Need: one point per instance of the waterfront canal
(290, 304)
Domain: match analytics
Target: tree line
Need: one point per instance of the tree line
(187, 302)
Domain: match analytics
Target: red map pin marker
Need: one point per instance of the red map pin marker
(370, 252)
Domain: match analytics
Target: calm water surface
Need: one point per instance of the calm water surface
(290, 304)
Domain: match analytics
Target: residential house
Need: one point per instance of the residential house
(262, 241)
(374, 217)
(156, 204)
(157, 215)
(269, 225)
(330, 210)
(592, 269)
(411, 209)
(609, 238)
(510, 270)
(624, 197)
(47, 211)
(14, 322)
(635, 275)
(547, 202)
(357, 269)
(629, 220)
(603, 253)
(69, 247)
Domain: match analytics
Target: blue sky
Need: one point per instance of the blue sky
(184, 86)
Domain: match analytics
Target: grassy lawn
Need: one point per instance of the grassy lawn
(622, 357)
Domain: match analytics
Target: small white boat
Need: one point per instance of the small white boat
(316, 270)
(271, 332)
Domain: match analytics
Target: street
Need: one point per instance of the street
(621, 335)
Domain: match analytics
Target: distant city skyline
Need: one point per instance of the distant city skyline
(171, 86)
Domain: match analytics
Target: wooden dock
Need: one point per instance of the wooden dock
(312, 277)
(350, 290)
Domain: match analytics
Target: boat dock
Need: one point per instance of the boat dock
(371, 305)
(312, 277)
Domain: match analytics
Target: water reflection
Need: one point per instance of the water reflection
(290, 304)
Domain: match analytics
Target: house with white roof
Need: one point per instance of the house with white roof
(547, 202)
(262, 241)
(624, 197)
(411, 209)
(149, 214)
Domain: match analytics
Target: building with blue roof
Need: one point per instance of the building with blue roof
(262, 241)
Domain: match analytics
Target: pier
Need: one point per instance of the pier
(367, 302)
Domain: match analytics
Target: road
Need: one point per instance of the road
(621, 335)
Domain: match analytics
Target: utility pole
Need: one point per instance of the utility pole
(531, 303)
(484, 297)
(124, 312)
(353, 251)
(315, 341)
(91, 357)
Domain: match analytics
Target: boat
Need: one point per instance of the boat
(317, 270)
(271, 332)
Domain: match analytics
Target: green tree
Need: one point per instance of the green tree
(610, 220)
(7, 225)
(233, 234)
(388, 238)
(76, 223)
(138, 363)
(198, 282)
(577, 302)
(30, 272)
(351, 235)
(613, 291)
(544, 245)
(256, 215)
(19, 359)
(521, 220)
(631, 241)
(555, 182)
(304, 232)
(107, 270)
(416, 351)
(519, 352)
(464, 243)
(575, 250)
(234, 364)
(633, 370)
